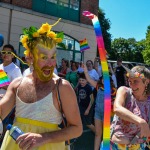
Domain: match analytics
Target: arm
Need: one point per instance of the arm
(90, 105)
(4, 87)
(71, 111)
(8, 100)
(92, 82)
(127, 115)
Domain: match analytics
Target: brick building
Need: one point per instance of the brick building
(16, 14)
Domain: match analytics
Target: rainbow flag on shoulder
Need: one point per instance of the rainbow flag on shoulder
(84, 45)
(4, 80)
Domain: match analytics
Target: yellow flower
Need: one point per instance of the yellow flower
(25, 45)
(35, 34)
(44, 28)
(24, 39)
(58, 40)
(27, 52)
(41, 31)
(51, 34)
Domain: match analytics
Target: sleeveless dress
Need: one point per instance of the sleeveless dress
(37, 117)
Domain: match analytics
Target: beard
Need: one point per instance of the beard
(44, 74)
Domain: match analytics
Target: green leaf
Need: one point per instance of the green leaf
(25, 31)
(60, 35)
(62, 45)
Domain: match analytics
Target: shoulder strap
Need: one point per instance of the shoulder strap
(60, 107)
(59, 102)
(58, 95)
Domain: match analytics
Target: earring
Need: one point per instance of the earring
(31, 67)
(145, 91)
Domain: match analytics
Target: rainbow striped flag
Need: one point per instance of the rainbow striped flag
(4, 80)
(84, 45)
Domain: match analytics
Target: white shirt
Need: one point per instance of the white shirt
(12, 72)
(93, 74)
(26, 72)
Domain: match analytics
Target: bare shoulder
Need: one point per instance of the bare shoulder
(62, 82)
(122, 89)
(15, 83)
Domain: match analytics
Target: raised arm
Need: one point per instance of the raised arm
(91, 81)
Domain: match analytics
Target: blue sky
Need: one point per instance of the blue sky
(129, 18)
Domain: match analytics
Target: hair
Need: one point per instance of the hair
(9, 46)
(46, 41)
(146, 72)
(66, 62)
(100, 83)
(81, 75)
(73, 62)
(119, 59)
(89, 61)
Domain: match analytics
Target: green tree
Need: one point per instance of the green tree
(127, 49)
(105, 26)
(146, 51)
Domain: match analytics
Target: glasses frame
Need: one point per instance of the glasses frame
(6, 53)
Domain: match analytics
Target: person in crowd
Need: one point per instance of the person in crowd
(130, 128)
(91, 71)
(99, 106)
(72, 76)
(35, 96)
(120, 74)
(93, 75)
(64, 68)
(85, 101)
(97, 66)
(12, 72)
(80, 68)
(8, 66)
(113, 76)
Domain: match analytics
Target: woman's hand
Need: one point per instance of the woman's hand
(145, 131)
(28, 141)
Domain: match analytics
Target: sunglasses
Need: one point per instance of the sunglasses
(6, 52)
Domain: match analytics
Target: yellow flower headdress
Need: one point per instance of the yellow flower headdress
(31, 35)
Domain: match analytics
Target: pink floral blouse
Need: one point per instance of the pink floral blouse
(140, 108)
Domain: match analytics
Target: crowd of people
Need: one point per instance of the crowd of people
(31, 100)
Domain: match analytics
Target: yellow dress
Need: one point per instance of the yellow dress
(38, 117)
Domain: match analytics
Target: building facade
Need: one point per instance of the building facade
(17, 14)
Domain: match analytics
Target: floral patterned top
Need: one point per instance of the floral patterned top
(127, 129)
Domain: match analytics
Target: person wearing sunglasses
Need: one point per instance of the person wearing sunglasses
(12, 72)
(8, 66)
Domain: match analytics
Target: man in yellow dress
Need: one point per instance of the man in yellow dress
(36, 97)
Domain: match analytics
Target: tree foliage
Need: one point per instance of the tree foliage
(128, 49)
(146, 51)
(105, 26)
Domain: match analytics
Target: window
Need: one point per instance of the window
(74, 4)
(67, 9)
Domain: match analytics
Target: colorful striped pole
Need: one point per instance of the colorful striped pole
(107, 92)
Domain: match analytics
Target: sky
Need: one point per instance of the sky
(129, 18)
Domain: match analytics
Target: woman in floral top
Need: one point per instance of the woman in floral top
(131, 125)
